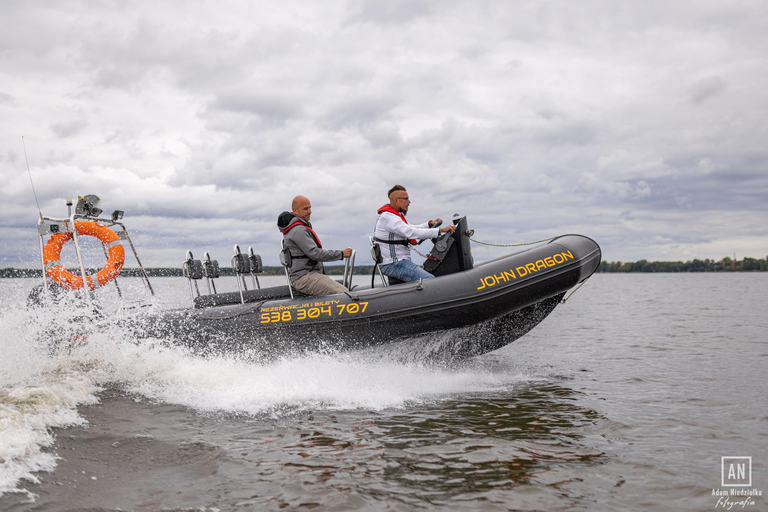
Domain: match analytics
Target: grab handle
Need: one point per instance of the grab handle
(349, 266)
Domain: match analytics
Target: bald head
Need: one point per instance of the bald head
(301, 207)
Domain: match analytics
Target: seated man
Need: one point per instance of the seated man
(396, 236)
(306, 272)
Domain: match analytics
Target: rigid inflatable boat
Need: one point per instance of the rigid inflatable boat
(466, 310)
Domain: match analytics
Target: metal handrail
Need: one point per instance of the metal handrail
(135, 254)
(240, 278)
(185, 271)
(69, 225)
(285, 266)
(208, 279)
(349, 266)
(75, 237)
(254, 277)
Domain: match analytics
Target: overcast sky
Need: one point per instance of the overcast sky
(643, 125)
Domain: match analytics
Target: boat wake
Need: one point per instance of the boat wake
(56, 360)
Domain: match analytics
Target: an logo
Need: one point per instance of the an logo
(736, 471)
(736, 484)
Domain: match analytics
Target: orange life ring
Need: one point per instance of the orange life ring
(65, 279)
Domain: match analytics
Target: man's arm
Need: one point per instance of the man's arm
(394, 224)
(306, 244)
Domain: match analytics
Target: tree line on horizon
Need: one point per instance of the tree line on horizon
(707, 265)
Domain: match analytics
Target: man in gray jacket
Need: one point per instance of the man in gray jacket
(306, 271)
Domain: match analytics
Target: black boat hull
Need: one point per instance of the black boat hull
(454, 316)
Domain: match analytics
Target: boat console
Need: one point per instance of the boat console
(451, 252)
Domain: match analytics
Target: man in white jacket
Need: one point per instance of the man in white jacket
(395, 236)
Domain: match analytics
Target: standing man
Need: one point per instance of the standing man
(396, 236)
(306, 272)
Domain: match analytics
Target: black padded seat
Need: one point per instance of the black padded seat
(223, 299)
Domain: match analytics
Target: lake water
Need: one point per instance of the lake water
(628, 397)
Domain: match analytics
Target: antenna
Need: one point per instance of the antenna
(30, 179)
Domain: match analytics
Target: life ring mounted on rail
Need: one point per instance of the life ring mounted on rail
(65, 279)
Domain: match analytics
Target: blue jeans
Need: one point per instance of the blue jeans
(405, 270)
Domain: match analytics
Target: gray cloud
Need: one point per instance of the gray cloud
(707, 88)
(393, 13)
(638, 124)
(66, 129)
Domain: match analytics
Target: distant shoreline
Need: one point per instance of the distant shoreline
(724, 265)
(606, 267)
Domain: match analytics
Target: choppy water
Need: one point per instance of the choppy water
(625, 398)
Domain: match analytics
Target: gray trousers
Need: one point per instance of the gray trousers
(315, 283)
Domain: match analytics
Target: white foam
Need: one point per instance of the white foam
(316, 381)
(27, 413)
(46, 373)
(235, 385)
(37, 392)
